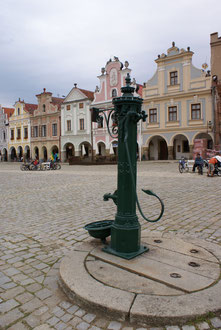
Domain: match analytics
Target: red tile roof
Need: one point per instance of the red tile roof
(89, 94)
(57, 101)
(30, 107)
(8, 111)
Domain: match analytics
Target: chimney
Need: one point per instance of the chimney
(75, 85)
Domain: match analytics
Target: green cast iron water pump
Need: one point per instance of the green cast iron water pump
(126, 230)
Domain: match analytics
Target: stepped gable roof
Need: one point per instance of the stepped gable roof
(30, 107)
(8, 111)
(89, 94)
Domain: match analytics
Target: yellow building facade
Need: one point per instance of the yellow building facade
(177, 100)
(20, 131)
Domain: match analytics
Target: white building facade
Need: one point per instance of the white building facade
(76, 124)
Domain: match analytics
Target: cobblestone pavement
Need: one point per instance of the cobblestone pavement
(42, 218)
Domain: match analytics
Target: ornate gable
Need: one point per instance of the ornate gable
(75, 95)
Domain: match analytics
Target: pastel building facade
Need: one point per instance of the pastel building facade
(112, 78)
(76, 124)
(5, 113)
(20, 131)
(215, 44)
(46, 126)
(177, 100)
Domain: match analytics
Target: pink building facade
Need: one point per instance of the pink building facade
(112, 78)
(46, 126)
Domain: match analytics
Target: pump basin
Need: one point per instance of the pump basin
(99, 229)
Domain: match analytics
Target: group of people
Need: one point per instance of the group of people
(214, 161)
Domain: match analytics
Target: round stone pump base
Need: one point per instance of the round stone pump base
(176, 281)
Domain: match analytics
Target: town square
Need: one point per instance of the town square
(110, 165)
(43, 214)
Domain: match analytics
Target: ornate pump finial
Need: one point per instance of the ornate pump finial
(127, 89)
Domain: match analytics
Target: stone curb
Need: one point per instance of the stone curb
(79, 285)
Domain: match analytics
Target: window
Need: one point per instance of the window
(81, 124)
(12, 134)
(43, 108)
(195, 111)
(173, 78)
(18, 133)
(186, 146)
(43, 130)
(172, 114)
(18, 111)
(68, 107)
(114, 93)
(35, 131)
(68, 125)
(153, 115)
(54, 129)
(114, 119)
(4, 136)
(25, 132)
(100, 123)
(81, 105)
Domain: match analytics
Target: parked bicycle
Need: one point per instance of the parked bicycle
(183, 166)
(26, 166)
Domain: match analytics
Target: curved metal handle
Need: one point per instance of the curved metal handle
(148, 192)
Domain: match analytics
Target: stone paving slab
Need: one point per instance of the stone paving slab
(153, 308)
(42, 218)
(115, 277)
(80, 284)
(161, 264)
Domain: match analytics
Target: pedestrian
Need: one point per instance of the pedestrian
(198, 163)
(212, 162)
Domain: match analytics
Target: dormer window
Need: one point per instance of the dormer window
(43, 108)
(114, 93)
(173, 78)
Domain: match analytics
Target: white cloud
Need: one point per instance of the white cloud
(54, 43)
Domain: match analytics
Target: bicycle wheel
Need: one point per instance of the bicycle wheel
(57, 166)
(181, 168)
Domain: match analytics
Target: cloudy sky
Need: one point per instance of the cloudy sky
(56, 43)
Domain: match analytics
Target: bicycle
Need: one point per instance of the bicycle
(183, 166)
